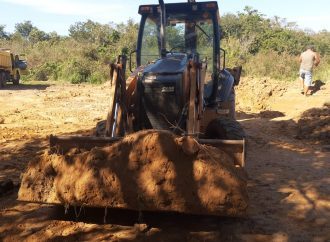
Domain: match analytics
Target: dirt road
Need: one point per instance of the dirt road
(288, 163)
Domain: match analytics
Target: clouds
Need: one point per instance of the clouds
(316, 18)
(98, 9)
(59, 14)
(314, 22)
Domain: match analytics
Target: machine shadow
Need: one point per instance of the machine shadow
(127, 217)
(25, 86)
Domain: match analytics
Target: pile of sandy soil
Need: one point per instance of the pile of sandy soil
(255, 94)
(149, 170)
(314, 124)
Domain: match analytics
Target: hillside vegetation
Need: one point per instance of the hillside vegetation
(265, 47)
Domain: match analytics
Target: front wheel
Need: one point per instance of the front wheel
(224, 128)
(100, 128)
(2, 79)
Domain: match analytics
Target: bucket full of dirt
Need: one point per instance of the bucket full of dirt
(148, 171)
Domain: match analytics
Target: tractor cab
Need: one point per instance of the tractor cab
(188, 29)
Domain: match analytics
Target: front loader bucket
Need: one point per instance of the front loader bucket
(146, 171)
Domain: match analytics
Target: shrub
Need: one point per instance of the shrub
(45, 72)
(271, 64)
(75, 71)
(96, 78)
(322, 72)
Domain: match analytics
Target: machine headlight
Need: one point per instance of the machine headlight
(149, 78)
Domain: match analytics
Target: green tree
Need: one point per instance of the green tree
(321, 41)
(247, 26)
(54, 37)
(128, 35)
(90, 31)
(3, 34)
(37, 35)
(24, 28)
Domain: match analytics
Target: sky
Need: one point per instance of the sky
(50, 15)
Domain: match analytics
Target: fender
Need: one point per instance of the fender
(225, 85)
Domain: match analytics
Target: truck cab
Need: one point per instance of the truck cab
(12, 66)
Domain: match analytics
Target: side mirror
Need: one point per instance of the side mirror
(224, 58)
(130, 60)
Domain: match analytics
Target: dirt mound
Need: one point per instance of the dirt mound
(149, 170)
(255, 94)
(314, 124)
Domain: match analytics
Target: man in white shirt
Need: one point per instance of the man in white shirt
(308, 60)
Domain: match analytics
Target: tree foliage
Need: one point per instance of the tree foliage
(3, 34)
(24, 29)
(258, 33)
(249, 38)
(83, 56)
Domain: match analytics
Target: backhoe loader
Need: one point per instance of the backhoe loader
(180, 98)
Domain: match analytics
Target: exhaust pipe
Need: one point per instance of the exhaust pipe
(162, 28)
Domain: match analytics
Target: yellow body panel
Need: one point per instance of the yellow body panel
(5, 60)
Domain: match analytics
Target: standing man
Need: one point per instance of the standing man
(308, 60)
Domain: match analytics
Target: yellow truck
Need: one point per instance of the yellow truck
(11, 67)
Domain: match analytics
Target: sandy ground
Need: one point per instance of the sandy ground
(289, 181)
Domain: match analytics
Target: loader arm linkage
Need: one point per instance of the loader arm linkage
(120, 117)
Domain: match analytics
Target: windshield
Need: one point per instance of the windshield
(185, 34)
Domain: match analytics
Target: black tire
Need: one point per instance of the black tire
(16, 80)
(100, 128)
(224, 128)
(2, 79)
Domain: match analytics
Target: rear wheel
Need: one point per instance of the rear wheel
(16, 80)
(224, 128)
